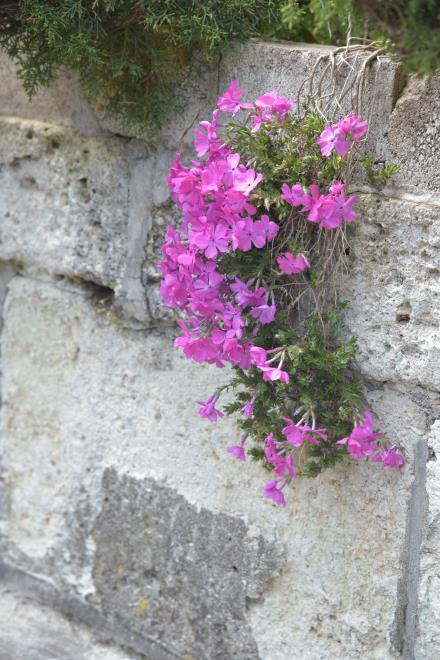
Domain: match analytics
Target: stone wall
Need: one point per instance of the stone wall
(119, 507)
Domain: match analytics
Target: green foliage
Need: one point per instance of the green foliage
(409, 28)
(131, 55)
(321, 380)
(378, 176)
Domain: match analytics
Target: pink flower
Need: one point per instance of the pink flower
(297, 433)
(360, 442)
(332, 138)
(272, 492)
(263, 230)
(278, 104)
(354, 125)
(296, 196)
(291, 265)
(212, 239)
(391, 457)
(242, 234)
(274, 373)
(327, 210)
(237, 451)
(245, 180)
(229, 101)
(258, 355)
(206, 136)
(264, 313)
(284, 466)
(208, 408)
(248, 408)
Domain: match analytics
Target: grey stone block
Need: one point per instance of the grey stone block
(61, 103)
(183, 575)
(65, 200)
(414, 139)
(393, 289)
(31, 631)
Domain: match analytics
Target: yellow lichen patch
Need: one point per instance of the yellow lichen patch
(142, 606)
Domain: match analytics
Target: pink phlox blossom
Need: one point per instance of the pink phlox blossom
(264, 230)
(200, 349)
(229, 101)
(245, 179)
(232, 318)
(270, 448)
(284, 466)
(298, 433)
(208, 283)
(354, 125)
(264, 313)
(274, 373)
(273, 102)
(208, 408)
(248, 408)
(258, 355)
(237, 354)
(173, 291)
(333, 137)
(238, 450)
(392, 457)
(344, 207)
(361, 441)
(291, 265)
(274, 493)
(207, 137)
(257, 122)
(212, 239)
(318, 210)
(329, 211)
(268, 105)
(242, 235)
(296, 196)
(212, 177)
(245, 297)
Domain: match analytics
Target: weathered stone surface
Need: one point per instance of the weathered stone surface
(393, 288)
(414, 139)
(83, 395)
(65, 200)
(29, 631)
(61, 103)
(428, 638)
(184, 576)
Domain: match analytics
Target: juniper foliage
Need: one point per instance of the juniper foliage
(132, 55)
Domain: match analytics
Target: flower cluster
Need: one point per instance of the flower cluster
(335, 136)
(223, 316)
(360, 443)
(329, 211)
(222, 313)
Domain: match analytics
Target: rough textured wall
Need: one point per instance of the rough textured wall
(119, 506)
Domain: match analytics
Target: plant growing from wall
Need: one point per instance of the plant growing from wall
(253, 272)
